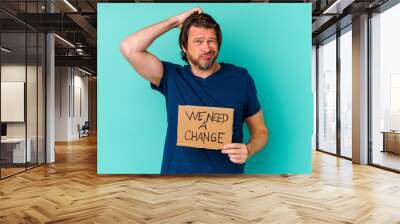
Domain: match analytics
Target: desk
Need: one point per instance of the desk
(391, 141)
(17, 150)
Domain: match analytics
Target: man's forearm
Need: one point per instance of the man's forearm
(257, 141)
(142, 39)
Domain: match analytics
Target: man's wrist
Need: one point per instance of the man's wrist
(249, 151)
(174, 21)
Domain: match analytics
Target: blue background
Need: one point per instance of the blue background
(273, 41)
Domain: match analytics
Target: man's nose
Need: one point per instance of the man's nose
(205, 47)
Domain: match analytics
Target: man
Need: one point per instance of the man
(203, 82)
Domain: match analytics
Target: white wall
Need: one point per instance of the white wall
(9, 73)
(81, 103)
(71, 94)
(15, 72)
(62, 81)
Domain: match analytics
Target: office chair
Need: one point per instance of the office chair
(84, 130)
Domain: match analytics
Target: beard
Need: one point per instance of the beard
(201, 63)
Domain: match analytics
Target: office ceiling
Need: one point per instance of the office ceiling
(76, 22)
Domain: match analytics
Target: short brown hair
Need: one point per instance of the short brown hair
(198, 20)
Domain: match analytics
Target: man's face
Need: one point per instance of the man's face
(202, 49)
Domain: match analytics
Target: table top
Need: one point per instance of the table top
(13, 140)
(391, 132)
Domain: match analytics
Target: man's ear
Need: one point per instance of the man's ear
(183, 48)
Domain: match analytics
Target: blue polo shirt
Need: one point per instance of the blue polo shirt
(230, 87)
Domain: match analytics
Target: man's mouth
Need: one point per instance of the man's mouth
(206, 56)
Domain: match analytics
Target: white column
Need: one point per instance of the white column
(50, 92)
(50, 100)
(360, 90)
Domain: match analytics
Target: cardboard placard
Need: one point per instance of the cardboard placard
(204, 127)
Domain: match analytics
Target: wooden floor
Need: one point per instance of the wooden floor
(70, 191)
(5, 172)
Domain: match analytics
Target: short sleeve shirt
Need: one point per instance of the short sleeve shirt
(230, 87)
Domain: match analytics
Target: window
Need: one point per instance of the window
(385, 88)
(327, 96)
(346, 92)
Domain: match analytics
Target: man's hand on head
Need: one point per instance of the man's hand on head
(237, 152)
(184, 15)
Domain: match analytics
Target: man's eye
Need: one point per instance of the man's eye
(198, 41)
